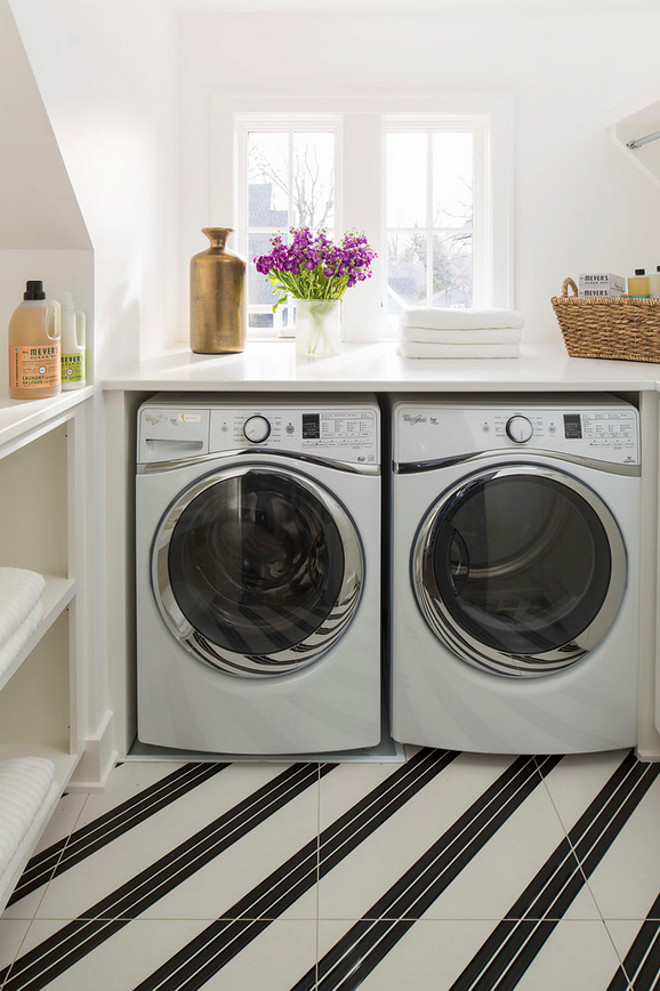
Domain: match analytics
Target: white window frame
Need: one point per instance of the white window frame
(362, 176)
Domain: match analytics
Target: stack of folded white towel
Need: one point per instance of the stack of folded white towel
(21, 611)
(436, 332)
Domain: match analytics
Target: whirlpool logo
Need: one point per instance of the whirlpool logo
(414, 418)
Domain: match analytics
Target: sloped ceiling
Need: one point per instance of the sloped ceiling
(38, 208)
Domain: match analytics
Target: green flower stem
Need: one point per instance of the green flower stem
(307, 284)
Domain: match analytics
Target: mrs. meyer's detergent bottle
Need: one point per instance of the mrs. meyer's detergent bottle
(35, 331)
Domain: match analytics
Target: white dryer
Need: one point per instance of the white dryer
(515, 560)
(258, 574)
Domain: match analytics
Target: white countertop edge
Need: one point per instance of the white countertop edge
(272, 366)
(19, 416)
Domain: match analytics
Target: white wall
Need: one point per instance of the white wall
(108, 78)
(579, 206)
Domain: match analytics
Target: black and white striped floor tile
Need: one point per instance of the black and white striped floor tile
(451, 871)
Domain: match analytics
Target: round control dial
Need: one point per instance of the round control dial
(256, 429)
(519, 429)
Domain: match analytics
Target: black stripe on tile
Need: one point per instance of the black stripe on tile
(516, 941)
(203, 957)
(77, 938)
(642, 961)
(59, 857)
(354, 956)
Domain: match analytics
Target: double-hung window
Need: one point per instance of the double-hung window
(429, 183)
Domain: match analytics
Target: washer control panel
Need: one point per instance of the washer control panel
(339, 434)
(181, 428)
(607, 431)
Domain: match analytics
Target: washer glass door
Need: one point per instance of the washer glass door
(521, 570)
(257, 571)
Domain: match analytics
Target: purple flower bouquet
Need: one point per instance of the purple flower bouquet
(311, 266)
(317, 273)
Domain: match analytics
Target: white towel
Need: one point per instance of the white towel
(409, 349)
(10, 650)
(20, 590)
(27, 794)
(443, 318)
(507, 335)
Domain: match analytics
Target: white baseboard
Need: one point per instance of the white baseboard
(98, 759)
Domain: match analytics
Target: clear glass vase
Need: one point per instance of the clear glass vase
(317, 327)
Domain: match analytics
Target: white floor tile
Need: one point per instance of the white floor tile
(79, 888)
(350, 889)
(429, 957)
(274, 961)
(12, 934)
(577, 779)
(626, 882)
(490, 884)
(64, 820)
(577, 956)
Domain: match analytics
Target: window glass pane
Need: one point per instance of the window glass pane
(268, 179)
(452, 179)
(406, 165)
(452, 270)
(313, 190)
(260, 290)
(257, 321)
(406, 270)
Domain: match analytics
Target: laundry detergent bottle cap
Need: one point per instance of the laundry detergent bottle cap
(73, 343)
(34, 289)
(34, 337)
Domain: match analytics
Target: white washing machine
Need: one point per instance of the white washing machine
(258, 574)
(515, 560)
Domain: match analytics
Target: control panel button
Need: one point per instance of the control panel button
(519, 429)
(256, 429)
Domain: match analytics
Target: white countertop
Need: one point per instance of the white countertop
(272, 366)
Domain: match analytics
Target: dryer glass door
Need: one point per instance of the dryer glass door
(256, 570)
(521, 570)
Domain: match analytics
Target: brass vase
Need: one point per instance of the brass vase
(217, 312)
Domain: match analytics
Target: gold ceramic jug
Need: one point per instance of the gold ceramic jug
(217, 281)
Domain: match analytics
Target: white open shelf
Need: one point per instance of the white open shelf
(57, 594)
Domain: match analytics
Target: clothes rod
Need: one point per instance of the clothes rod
(638, 142)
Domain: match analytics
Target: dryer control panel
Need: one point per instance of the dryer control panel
(597, 431)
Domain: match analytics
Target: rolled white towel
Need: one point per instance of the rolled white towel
(444, 318)
(410, 349)
(422, 335)
(20, 590)
(10, 650)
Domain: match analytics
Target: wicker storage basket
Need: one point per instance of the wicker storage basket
(620, 328)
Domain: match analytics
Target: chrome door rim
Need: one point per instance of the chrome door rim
(276, 663)
(468, 647)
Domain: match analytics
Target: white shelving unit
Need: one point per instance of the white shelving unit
(636, 121)
(43, 489)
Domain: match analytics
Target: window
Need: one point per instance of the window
(431, 190)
